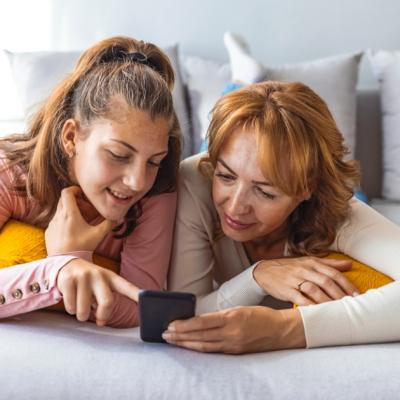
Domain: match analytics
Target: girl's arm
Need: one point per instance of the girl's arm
(29, 286)
(145, 256)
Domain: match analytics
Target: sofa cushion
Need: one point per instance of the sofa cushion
(386, 66)
(333, 78)
(36, 73)
(53, 356)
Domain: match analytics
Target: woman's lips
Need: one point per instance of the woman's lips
(236, 225)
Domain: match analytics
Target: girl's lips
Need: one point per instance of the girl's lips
(236, 225)
(119, 200)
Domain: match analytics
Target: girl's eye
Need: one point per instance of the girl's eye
(224, 177)
(154, 164)
(265, 194)
(118, 157)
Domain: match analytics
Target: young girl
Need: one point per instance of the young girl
(255, 215)
(97, 168)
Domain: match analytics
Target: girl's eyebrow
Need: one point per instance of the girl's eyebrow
(265, 183)
(135, 150)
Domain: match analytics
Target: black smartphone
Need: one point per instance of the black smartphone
(157, 309)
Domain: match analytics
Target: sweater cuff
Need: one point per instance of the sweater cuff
(325, 324)
(242, 290)
(84, 254)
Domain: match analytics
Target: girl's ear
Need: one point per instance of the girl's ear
(68, 136)
(306, 195)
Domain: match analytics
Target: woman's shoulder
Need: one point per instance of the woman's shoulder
(192, 178)
(362, 220)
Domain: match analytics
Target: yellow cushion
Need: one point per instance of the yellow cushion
(22, 243)
(362, 276)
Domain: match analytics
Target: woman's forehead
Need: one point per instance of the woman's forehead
(240, 153)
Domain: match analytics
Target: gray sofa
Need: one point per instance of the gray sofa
(46, 355)
(369, 152)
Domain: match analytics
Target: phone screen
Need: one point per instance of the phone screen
(157, 309)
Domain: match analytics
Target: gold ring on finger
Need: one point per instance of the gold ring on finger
(299, 285)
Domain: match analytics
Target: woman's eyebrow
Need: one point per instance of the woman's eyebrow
(226, 166)
(265, 183)
(135, 150)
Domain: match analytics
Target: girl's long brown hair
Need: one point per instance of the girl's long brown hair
(103, 71)
(300, 150)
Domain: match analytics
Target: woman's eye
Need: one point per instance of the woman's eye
(118, 157)
(265, 194)
(225, 177)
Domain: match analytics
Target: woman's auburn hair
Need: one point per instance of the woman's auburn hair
(300, 150)
(102, 72)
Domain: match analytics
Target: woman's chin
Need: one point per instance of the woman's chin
(236, 235)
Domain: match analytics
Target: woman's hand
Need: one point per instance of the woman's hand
(68, 231)
(305, 280)
(85, 286)
(239, 330)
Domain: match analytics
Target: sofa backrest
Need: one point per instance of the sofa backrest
(369, 141)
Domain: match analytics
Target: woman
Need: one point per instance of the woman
(97, 168)
(256, 214)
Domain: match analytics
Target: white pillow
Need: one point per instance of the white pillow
(333, 78)
(36, 73)
(386, 66)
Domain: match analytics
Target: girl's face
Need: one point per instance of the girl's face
(117, 160)
(249, 207)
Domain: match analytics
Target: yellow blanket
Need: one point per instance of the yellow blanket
(21, 243)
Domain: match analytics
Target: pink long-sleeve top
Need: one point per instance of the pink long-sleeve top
(143, 255)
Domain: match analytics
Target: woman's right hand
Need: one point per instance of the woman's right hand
(305, 280)
(84, 284)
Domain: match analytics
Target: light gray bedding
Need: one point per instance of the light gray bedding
(52, 356)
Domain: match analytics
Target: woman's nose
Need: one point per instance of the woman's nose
(238, 203)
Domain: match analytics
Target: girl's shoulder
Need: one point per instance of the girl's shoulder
(13, 203)
(9, 172)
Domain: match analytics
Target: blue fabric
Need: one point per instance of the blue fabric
(360, 195)
(230, 87)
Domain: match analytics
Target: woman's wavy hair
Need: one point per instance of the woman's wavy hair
(103, 71)
(300, 150)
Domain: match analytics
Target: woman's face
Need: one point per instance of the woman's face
(117, 161)
(249, 207)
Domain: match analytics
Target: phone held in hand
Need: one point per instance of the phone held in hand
(157, 309)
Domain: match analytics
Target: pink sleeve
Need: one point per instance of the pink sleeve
(30, 286)
(145, 255)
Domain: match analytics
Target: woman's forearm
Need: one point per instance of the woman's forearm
(369, 318)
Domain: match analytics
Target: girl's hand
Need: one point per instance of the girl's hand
(239, 330)
(305, 280)
(68, 231)
(85, 285)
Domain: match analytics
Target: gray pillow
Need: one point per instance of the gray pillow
(333, 78)
(386, 66)
(36, 74)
